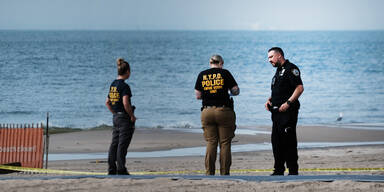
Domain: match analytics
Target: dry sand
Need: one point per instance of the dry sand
(158, 139)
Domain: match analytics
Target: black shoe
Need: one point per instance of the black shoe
(293, 173)
(111, 172)
(277, 174)
(123, 173)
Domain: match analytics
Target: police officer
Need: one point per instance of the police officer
(119, 103)
(284, 105)
(217, 115)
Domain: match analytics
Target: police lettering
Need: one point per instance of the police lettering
(212, 82)
(114, 95)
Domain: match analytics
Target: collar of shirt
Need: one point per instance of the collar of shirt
(284, 64)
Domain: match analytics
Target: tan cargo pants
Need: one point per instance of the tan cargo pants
(219, 127)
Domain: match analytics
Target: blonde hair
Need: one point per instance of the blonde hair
(122, 66)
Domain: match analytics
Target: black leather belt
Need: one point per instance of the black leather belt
(213, 106)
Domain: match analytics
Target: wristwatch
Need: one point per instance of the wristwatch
(289, 102)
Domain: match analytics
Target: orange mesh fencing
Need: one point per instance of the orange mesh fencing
(23, 144)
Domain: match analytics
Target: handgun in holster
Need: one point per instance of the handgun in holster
(273, 108)
(231, 105)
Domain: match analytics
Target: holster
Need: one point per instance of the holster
(231, 103)
(273, 109)
(133, 111)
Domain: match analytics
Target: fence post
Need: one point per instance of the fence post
(46, 142)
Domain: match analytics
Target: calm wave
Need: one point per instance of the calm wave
(67, 73)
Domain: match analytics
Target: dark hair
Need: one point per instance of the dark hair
(122, 66)
(277, 49)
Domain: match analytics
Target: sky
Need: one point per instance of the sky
(191, 15)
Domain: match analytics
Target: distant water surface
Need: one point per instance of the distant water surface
(67, 73)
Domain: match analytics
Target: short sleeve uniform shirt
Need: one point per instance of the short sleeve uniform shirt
(214, 84)
(117, 91)
(284, 83)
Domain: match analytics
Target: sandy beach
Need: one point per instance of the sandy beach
(370, 156)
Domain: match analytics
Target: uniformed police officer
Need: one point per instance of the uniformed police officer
(119, 103)
(217, 115)
(284, 105)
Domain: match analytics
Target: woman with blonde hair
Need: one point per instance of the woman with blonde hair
(217, 115)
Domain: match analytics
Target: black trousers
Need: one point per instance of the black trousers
(284, 140)
(122, 133)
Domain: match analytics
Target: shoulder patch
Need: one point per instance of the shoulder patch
(295, 72)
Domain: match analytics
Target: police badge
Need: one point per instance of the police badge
(295, 72)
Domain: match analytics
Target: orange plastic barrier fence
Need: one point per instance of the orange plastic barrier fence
(23, 144)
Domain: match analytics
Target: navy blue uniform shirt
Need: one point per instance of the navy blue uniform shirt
(284, 83)
(214, 84)
(117, 91)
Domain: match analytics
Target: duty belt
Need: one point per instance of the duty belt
(209, 106)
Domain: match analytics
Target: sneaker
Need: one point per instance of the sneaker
(293, 173)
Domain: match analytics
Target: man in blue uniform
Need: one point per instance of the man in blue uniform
(284, 105)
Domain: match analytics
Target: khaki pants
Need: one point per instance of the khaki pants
(219, 127)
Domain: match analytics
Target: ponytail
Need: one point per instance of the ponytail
(122, 66)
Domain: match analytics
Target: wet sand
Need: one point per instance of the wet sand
(160, 139)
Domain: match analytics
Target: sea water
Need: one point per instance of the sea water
(68, 73)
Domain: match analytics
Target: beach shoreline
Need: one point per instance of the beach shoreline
(155, 139)
(243, 163)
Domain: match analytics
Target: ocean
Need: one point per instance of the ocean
(68, 73)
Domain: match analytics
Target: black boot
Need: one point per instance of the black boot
(277, 173)
(111, 172)
(123, 172)
(293, 172)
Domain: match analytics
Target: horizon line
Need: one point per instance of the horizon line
(207, 30)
